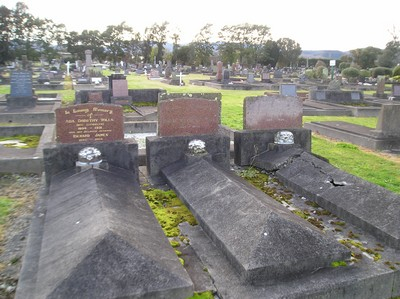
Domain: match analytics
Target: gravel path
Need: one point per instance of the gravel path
(23, 190)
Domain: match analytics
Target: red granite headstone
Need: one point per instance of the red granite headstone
(272, 112)
(89, 122)
(188, 116)
(95, 97)
(120, 88)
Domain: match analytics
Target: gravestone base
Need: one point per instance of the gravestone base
(21, 102)
(126, 100)
(380, 95)
(356, 134)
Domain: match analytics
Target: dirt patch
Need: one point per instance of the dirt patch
(23, 190)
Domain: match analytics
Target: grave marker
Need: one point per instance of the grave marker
(189, 114)
(88, 123)
(288, 90)
(272, 112)
(21, 84)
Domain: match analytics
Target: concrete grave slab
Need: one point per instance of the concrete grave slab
(100, 239)
(248, 144)
(359, 281)
(264, 241)
(272, 112)
(368, 206)
(163, 151)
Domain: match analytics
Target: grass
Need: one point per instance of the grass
(366, 164)
(31, 141)
(6, 207)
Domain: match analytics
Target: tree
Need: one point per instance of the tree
(390, 56)
(269, 53)
(157, 35)
(289, 52)
(116, 41)
(366, 57)
(6, 34)
(245, 39)
(202, 46)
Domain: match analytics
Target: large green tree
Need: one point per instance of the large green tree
(203, 46)
(244, 39)
(156, 35)
(390, 56)
(289, 52)
(366, 57)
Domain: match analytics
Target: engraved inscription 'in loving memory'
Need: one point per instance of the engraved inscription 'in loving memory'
(89, 122)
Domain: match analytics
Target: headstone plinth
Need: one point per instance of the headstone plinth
(119, 89)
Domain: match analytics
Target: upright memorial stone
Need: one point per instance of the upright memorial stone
(88, 64)
(396, 91)
(89, 123)
(219, 71)
(272, 112)
(189, 114)
(380, 87)
(119, 90)
(288, 90)
(21, 90)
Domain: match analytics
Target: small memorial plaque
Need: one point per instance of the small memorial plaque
(21, 84)
(120, 88)
(396, 90)
(95, 97)
(89, 122)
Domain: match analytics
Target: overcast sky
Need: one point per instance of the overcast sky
(316, 25)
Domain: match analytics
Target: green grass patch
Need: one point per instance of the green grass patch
(202, 295)
(363, 164)
(31, 141)
(6, 207)
(362, 121)
(169, 210)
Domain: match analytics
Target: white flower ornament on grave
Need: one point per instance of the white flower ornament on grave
(197, 147)
(284, 137)
(89, 156)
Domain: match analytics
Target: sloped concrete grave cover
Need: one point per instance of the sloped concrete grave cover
(368, 206)
(263, 241)
(101, 240)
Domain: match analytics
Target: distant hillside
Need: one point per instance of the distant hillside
(327, 54)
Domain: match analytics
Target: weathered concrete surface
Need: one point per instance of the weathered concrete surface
(358, 281)
(100, 239)
(373, 208)
(264, 241)
(25, 160)
(356, 134)
(59, 157)
(248, 144)
(163, 151)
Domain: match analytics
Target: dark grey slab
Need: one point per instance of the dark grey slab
(163, 151)
(371, 207)
(100, 239)
(248, 144)
(263, 241)
(355, 134)
(358, 281)
(60, 157)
